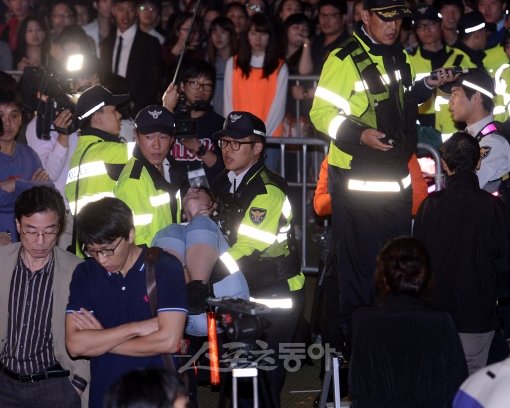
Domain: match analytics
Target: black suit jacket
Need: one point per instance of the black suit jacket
(144, 68)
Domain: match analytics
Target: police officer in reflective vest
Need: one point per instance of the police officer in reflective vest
(149, 184)
(366, 101)
(256, 215)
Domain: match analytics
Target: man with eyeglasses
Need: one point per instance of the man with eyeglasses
(149, 184)
(149, 14)
(332, 21)
(261, 235)
(34, 289)
(109, 318)
(197, 151)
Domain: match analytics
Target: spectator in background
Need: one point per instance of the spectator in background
(469, 254)
(197, 151)
(256, 6)
(287, 8)
(20, 168)
(209, 16)
(33, 43)
(134, 55)
(332, 22)
(221, 45)
(256, 81)
(451, 11)
(83, 10)
(149, 14)
(148, 388)
(239, 16)
(168, 8)
(404, 352)
(493, 12)
(61, 15)
(19, 9)
(101, 27)
(177, 39)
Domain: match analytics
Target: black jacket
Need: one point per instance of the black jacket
(466, 232)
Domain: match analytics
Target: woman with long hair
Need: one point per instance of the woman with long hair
(405, 353)
(256, 80)
(221, 45)
(33, 43)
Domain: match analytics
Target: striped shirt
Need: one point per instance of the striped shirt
(29, 345)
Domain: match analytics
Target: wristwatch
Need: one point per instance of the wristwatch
(202, 150)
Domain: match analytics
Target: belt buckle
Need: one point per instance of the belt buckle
(26, 378)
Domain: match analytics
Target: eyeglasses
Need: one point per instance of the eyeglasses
(234, 144)
(34, 234)
(198, 85)
(107, 252)
(328, 16)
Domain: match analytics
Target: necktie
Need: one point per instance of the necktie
(117, 55)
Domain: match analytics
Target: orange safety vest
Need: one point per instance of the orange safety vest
(255, 94)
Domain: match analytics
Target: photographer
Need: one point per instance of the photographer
(196, 150)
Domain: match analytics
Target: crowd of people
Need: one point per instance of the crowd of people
(150, 187)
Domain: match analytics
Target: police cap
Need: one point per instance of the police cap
(239, 125)
(388, 10)
(155, 118)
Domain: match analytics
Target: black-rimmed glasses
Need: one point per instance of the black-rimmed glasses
(197, 85)
(107, 252)
(234, 144)
(36, 234)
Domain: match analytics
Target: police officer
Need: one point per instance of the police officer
(430, 55)
(261, 233)
(149, 184)
(371, 119)
(99, 155)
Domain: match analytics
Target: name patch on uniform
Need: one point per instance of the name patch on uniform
(485, 151)
(257, 215)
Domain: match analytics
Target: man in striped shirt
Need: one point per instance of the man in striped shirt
(35, 369)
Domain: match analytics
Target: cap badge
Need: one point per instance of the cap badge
(234, 118)
(155, 114)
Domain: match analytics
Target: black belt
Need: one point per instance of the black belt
(55, 371)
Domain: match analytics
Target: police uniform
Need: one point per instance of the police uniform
(434, 112)
(99, 156)
(154, 197)
(370, 189)
(263, 248)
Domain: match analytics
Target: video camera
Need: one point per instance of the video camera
(50, 92)
(241, 319)
(185, 125)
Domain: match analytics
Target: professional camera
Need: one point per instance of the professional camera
(241, 319)
(50, 92)
(228, 215)
(185, 125)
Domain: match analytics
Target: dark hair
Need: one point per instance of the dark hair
(103, 221)
(235, 4)
(11, 97)
(340, 5)
(176, 24)
(147, 388)
(40, 199)
(293, 19)
(280, 8)
(194, 69)
(461, 152)
(440, 3)
(487, 103)
(262, 24)
(21, 51)
(226, 24)
(403, 266)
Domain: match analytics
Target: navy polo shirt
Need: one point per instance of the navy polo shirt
(115, 299)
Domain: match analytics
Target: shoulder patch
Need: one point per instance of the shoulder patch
(485, 151)
(257, 215)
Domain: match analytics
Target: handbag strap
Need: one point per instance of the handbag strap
(151, 257)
